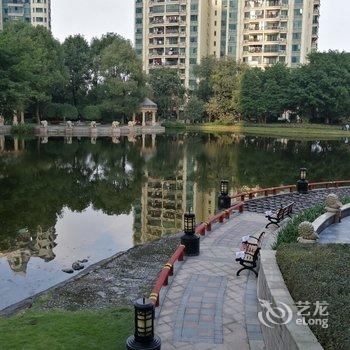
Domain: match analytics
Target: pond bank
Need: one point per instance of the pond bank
(308, 131)
(87, 131)
(113, 282)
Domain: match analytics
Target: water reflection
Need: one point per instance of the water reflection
(27, 245)
(68, 199)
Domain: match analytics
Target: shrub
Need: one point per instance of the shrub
(67, 111)
(321, 273)
(51, 111)
(92, 113)
(289, 233)
(61, 111)
(22, 129)
(173, 125)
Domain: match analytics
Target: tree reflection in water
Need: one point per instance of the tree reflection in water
(155, 178)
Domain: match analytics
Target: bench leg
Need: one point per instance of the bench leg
(246, 268)
(272, 223)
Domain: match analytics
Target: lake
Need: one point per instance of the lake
(63, 200)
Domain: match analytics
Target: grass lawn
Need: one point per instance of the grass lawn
(321, 273)
(33, 329)
(308, 131)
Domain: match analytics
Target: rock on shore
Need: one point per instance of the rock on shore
(118, 281)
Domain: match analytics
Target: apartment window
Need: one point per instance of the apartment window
(296, 48)
(295, 59)
(298, 12)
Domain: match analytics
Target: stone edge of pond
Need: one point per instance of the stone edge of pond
(27, 303)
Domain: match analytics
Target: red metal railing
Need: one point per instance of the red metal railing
(291, 188)
(206, 226)
(166, 271)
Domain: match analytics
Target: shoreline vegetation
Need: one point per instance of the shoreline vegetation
(310, 131)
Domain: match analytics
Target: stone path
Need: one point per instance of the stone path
(206, 306)
(302, 201)
(337, 233)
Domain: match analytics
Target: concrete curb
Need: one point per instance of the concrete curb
(271, 287)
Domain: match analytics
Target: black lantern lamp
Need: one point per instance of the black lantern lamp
(224, 200)
(144, 337)
(303, 184)
(190, 239)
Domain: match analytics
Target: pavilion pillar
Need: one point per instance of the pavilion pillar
(153, 117)
(143, 118)
(153, 140)
(134, 117)
(143, 141)
(15, 144)
(2, 143)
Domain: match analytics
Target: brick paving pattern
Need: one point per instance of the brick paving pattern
(302, 201)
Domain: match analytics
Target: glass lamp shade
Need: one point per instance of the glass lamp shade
(303, 173)
(189, 223)
(224, 187)
(144, 320)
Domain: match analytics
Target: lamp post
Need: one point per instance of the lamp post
(224, 200)
(144, 337)
(303, 184)
(190, 240)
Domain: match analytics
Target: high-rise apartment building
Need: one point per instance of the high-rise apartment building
(36, 12)
(179, 33)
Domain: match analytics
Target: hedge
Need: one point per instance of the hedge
(321, 273)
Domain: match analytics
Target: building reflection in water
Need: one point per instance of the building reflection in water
(27, 245)
(165, 199)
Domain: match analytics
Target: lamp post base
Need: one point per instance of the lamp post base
(191, 243)
(303, 187)
(132, 344)
(224, 201)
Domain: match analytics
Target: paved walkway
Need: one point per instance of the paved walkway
(207, 307)
(337, 233)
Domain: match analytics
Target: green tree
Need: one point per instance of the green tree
(204, 72)
(168, 90)
(77, 59)
(32, 67)
(252, 94)
(275, 91)
(321, 89)
(92, 113)
(194, 109)
(225, 103)
(121, 83)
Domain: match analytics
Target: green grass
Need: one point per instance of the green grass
(36, 330)
(321, 273)
(307, 131)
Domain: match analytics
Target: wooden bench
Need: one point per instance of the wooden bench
(248, 257)
(280, 215)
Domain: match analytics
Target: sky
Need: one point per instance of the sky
(85, 17)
